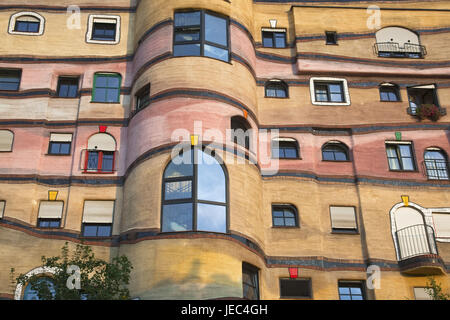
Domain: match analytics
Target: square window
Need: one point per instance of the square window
(62, 148)
(143, 97)
(67, 87)
(104, 31)
(273, 39)
(106, 88)
(343, 219)
(10, 79)
(329, 91)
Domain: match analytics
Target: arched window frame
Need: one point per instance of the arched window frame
(440, 167)
(41, 271)
(389, 47)
(99, 155)
(194, 200)
(289, 207)
(277, 85)
(15, 17)
(340, 145)
(241, 123)
(390, 88)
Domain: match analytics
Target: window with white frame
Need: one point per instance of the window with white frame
(2, 208)
(441, 223)
(26, 23)
(103, 29)
(329, 91)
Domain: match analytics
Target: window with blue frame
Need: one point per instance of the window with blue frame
(201, 33)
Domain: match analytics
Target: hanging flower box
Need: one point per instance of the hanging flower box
(428, 111)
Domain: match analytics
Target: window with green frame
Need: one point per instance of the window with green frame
(106, 87)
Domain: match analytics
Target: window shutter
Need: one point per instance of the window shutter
(102, 142)
(6, 140)
(442, 224)
(343, 217)
(61, 137)
(51, 209)
(100, 211)
(421, 294)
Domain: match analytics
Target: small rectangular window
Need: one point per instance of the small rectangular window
(400, 156)
(295, 288)
(27, 26)
(441, 223)
(250, 282)
(389, 93)
(351, 290)
(422, 293)
(49, 223)
(329, 92)
(343, 219)
(284, 216)
(10, 79)
(96, 230)
(273, 39)
(50, 213)
(104, 31)
(331, 37)
(143, 97)
(67, 87)
(60, 143)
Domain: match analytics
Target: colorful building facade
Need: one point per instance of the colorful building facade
(339, 190)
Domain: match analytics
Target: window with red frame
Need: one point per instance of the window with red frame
(100, 161)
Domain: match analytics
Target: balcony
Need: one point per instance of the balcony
(395, 50)
(418, 254)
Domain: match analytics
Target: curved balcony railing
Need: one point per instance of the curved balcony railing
(415, 241)
(395, 50)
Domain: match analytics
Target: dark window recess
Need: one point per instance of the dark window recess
(143, 97)
(335, 152)
(329, 92)
(27, 26)
(400, 157)
(276, 90)
(106, 88)
(199, 33)
(96, 229)
(389, 93)
(67, 87)
(295, 288)
(284, 216)
(49, 223)
(250, 282)
(351, 290)
(419, 97)
(104, 31)
(56, 147)
(285, 149)
(241, 131)
(271, 39)
(10, 80)
(331, 37)
(100, 161)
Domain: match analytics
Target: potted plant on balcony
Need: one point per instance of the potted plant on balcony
(428, 111)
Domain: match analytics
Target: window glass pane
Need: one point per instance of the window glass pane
(211, 179)
(278, 213)
(187, 19)
(187, 35)
(72, 91)
(356, 291)
(345, 297)
(217, 53)
(271, 92)
(267, 39)
(336, 97)
(407, 164)
(107, 162)
(181, 166)
(281, 93)
(30, 294)
(405, 150)
(186, 50)
(384, 96)
(328, 155)
(216, 30)
(101, 81)
(112, 95)
(278, 222)
(340, 156)
(44, 223)
(280, 40)
(63, 90)
(54, 224)
(54, 147)
(92, 160)
(394, 164)
(9, 86)
(344, 290)
(89, 231)
(211, 218)
(113, 82)
(104, 231)
(177, 217)
(335, 88)
(290, 222)
(290, 153)
(391, 152)
(100, 95)
(178, 190)
(392, 96)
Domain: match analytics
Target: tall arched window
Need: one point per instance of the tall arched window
(335, 151)
(194, 195)
(241, 131)
(100, 154)
(436, 164)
